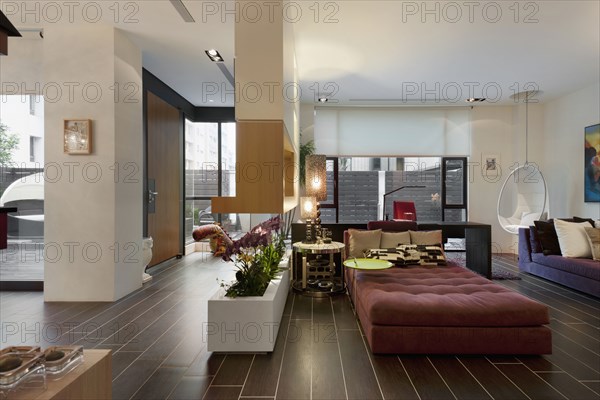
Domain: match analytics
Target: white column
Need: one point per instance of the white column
(93, 203)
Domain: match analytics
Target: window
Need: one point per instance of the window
(22, 186)
(35, 149)
(32, 100)
(356, 185)
(210, 172)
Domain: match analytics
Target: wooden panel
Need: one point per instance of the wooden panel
(297, 360)
(567, 386)
(164, 167)
(191, 388)
(530, 383)
(361, 382)
(162, 382)
(260, 167)
(496, 384)
(295, 374)
(460, 381)
(393, 380)
(263, 376)
(327, 375)
(234, 370)
(423, 375)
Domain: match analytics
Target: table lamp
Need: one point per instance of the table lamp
(316, 185)
(308, 211)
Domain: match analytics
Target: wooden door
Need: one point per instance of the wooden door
(164, 171)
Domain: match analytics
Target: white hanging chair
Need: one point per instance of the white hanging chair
(523, 199)
(524, 194)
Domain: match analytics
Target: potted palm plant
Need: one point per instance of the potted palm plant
(244, 315)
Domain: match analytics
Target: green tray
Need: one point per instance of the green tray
(367, 263)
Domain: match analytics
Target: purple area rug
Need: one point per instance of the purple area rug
(501, 274)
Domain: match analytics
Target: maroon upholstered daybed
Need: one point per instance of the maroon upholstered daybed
(446, 310)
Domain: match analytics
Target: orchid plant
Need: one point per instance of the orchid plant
(257, 257)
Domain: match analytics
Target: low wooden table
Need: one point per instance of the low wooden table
(91, 380)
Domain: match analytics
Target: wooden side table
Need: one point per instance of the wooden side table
(330, 283)
(92, 380)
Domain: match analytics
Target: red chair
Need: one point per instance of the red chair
(405, 210)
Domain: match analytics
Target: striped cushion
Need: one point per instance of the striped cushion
(410, 254)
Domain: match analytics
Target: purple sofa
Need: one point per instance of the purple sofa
(578, 273)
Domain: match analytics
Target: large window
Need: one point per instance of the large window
(22, 186)
(210, 159)
(356, 185)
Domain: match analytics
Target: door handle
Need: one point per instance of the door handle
(152, 196)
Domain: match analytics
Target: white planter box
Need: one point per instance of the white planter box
(247, 324)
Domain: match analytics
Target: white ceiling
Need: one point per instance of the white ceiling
(382, 52)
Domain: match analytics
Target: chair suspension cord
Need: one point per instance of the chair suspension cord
(526, 127)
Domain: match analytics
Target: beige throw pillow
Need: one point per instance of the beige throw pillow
(362, 241)
(573, 239)
(428, 238)
(593, 236)
(391, 240)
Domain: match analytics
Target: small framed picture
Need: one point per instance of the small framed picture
(491, 163)
(78, 136)
(491, 166)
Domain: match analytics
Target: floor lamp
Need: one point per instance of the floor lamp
(316, 186)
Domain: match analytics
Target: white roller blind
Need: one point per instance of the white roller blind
(356, 131)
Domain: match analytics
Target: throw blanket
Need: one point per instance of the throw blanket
(219, 239)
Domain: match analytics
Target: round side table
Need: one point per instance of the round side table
(365, 264)
(308, 282)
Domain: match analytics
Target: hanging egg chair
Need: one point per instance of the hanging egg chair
(523, 199)
(524, 194)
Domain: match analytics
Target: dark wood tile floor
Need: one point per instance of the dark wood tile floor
(159, 351)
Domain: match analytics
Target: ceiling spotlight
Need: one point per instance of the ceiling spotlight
(214, 55)
(475, 100)
(323, 99)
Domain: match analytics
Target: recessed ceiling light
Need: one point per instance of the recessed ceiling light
(214, 55)
(475, 100)
(323, 99)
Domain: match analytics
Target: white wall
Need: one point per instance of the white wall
(564, 121)
(128, 154)
(492, 131)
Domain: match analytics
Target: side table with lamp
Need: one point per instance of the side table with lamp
(318, 276)
(314, 258)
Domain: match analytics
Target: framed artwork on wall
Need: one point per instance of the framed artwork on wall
(591, 158)
(77, 134)
(491, 165)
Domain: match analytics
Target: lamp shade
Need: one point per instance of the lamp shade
(316, 176)
(308, 207)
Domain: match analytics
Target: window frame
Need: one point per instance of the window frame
(186, 198)
(443, 170)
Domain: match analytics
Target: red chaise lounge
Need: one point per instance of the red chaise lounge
(446, 310)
